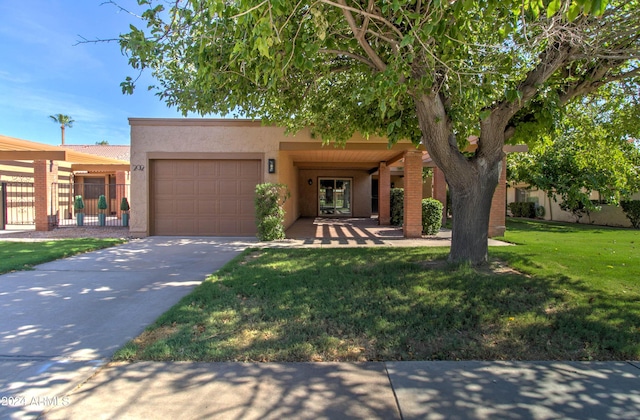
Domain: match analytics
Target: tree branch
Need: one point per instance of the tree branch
(593, 81)
(550, 61)
(357, 57)
(379, 64)
(342, 5)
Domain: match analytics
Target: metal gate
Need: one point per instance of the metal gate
(62, 200)
(18, 204)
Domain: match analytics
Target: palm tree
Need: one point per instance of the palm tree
(64, 121)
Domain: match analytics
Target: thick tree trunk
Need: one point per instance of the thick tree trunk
(470, 208)
(472, 181)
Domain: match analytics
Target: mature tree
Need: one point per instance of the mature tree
(431, 71)
(64, 121)
(590, 149)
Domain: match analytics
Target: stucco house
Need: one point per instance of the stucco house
(38, 181)
(198, 177)
(609, 215)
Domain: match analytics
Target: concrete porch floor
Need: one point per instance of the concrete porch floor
(353, 231)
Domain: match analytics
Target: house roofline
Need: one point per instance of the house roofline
(215, 122)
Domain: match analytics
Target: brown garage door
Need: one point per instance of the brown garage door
(203, 197)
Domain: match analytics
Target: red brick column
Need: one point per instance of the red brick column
(413, 194)
(498, 215)
(45, 173)
(440, 191)
(384, 194)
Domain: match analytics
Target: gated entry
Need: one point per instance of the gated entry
(18, 204)
(62, 199)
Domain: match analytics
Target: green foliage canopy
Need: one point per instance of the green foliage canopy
(345, 66)
(591, 149)
(431, 71)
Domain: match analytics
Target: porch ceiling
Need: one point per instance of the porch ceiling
(363, 156)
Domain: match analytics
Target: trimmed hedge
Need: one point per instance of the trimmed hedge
(102, 202)
(269, 211)
(78, 203)
(397, 206)
(431, 216)
(523, 209)
(632, 211)
(431, 212)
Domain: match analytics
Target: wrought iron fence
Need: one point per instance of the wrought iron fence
(18, 203)
(63, 197)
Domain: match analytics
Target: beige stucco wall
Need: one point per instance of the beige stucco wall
(153, 138)
(607, 216)
(287, 174)
(198, 139)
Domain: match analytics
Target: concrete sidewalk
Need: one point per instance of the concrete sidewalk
(392, 390)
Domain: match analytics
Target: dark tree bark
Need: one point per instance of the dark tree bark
(472, 180)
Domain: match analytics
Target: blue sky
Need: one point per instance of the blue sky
(44, 72)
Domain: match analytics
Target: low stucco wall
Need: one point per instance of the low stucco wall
(608, 216)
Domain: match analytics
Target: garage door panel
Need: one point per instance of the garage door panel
(185, 225)
(247, 188)
(229, 208)
(251, 171)
(185, 169)
(207, 208)
(230, 168)
(247, 208)
(207, 187)
(204, 197)
(229, 187)
(165, 188)
(206, 170)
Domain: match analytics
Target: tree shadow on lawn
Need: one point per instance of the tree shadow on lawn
(392, 304)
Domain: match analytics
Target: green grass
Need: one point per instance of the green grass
(15, 256)
(575, 296)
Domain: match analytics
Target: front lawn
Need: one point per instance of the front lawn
(15, 256)
(566, 292)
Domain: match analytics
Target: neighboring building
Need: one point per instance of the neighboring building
(607, 216)
(198, 177)
(39, 181)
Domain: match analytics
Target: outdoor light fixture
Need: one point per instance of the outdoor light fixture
(310, 181)
(272, 166)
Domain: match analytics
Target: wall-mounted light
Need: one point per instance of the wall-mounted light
(272, 166)
(310, 181)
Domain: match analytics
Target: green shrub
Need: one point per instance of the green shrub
(397, 206)
(523, 209)
(269, 211)
(78, 203)
(102, 202)
(632, 211)
(431, 216)
(124, 204)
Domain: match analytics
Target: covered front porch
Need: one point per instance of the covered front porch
(355, 181)
(360, 231)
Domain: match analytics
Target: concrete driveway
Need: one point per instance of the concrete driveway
(63, 320)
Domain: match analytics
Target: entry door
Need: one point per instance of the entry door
(334, 196)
